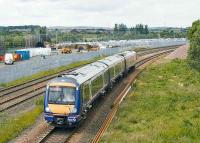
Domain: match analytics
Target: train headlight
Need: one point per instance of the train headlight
(47, 109)
(74, 110)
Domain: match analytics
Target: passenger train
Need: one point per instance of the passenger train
(69, 96)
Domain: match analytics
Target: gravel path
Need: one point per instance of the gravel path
(180, 53)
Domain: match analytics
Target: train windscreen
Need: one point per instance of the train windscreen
(61, 95)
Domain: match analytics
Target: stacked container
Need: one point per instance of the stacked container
(17, 57)
(38, 51)
(32, 52)
(1, 58)
(25, 54)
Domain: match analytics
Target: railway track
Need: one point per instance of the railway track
(141, 65)
(13, 96)
(55, 135)
(62, 135)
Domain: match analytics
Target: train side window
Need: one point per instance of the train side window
(106, 77)
(122, 66)
(97, 84)
(112, 72)
(86, 93)
(118, 68)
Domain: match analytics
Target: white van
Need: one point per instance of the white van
(9, 58)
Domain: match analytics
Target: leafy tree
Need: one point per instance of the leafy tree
(122, 28)
(116, 28)
(194, 51)
(140, 29)
(146, 30)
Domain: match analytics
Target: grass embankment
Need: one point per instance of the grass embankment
(10, 127)
(47, 72)
(164, 108)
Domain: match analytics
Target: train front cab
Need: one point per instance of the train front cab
(62, 104)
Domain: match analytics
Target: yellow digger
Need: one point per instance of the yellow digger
(66, 50)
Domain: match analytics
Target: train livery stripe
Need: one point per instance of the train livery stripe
(60, 109)
(62, 84)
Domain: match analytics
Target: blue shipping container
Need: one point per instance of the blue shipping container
(25, 55)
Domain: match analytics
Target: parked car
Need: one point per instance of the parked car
(9, 59)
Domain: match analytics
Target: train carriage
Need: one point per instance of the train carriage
(68, 96)
(130, 58)
(116, 66)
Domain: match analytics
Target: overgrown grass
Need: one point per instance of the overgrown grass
(48, 72)
(10, 127)
(165, 107)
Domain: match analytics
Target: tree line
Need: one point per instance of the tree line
(138, 29)
(34, 36)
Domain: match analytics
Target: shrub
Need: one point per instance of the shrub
(194, 51)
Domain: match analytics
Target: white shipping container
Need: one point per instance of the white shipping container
(38, 51)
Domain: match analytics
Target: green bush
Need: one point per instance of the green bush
(194, 51)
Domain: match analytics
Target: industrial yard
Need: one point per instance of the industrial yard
(37, 63)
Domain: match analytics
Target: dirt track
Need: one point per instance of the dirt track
(180, 53)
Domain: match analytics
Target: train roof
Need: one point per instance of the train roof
(112, 60)
(63, 80)
(87, 72)
(127, 53)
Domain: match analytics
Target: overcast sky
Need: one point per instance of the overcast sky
(106, 13)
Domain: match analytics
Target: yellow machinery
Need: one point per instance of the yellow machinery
(66, 50)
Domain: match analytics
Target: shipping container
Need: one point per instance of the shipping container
(17, 57)
(38, 51)
(25, 54)
(1, 58)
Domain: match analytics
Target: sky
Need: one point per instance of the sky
(102, 13)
